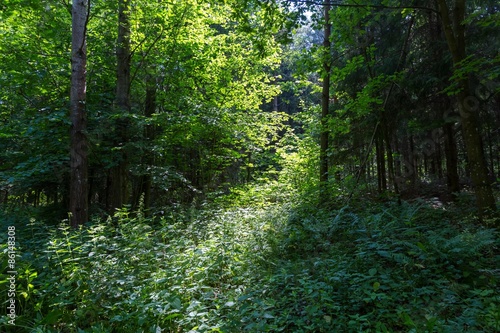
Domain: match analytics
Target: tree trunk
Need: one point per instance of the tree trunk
(397, 162)
(390, 160)
(325, 105)
(123, 57)
(413, 167)
(118, 193)
(451, 159)
(381, 176)
(468, 106)
(275, 104)
(439, 160)
(491, 155)
(78, 200)
(150, 135)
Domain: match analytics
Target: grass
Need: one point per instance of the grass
(258, 262)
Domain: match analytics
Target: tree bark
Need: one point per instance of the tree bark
(380, 153)
(468, 106)
(123, 57)
(390, 160)
(325, 105)
(78, 199)
(453, 180)
(118, 191)
(149, 133)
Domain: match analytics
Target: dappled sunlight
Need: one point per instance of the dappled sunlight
(192, 166)
(278, 267)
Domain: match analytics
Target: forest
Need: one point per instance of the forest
(249, 166)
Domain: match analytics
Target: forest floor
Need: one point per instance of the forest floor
(260, 260)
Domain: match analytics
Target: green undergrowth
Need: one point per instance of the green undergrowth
(270, 264)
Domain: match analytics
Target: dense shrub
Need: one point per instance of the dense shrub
(273, 267)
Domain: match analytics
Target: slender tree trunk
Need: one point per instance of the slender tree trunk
(426, 165)
(490, 152)
(413, 167)
(377, 159)
(451, 159)
(123, 57)
(450, 144)
(275, 104)
(118, 192)
(397, 162)
(468, 107)
(325, 105)
(381, 174)
(248, 170)
(78, 199)
(143, 183)
(390, 160)
(439, 160)
(150, 135)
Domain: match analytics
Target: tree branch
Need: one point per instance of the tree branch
(339, 4)
(145, 54)
(87, 17)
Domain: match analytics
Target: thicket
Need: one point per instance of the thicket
(263, 259)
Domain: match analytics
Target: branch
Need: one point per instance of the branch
(87, 17)
(145, 54)
(338, 4)
(68, 6)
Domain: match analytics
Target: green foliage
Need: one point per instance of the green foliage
(210, 75)
(484, 68)
(260, 264)
(258, 257)
(34, 77)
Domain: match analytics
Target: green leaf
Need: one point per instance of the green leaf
(52, 317)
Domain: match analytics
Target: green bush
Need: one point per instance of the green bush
(281, 266)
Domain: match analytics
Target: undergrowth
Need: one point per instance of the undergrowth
(262, 263)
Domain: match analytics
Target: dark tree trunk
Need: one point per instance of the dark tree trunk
(413, 165)
(491, 156)
(78, 199)
(390, 160)
(468, 107)
(439, 160)
(325, 105)
(123, 57)
(118, 191)
(452, 178)
(149, 133)
(275, 103)
(381, 175)
(397, 162)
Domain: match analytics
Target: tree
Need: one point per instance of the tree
(78, 198)
(454, 29)
(118, 188)
(207, 76)
(34, 104)
(325, 101)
